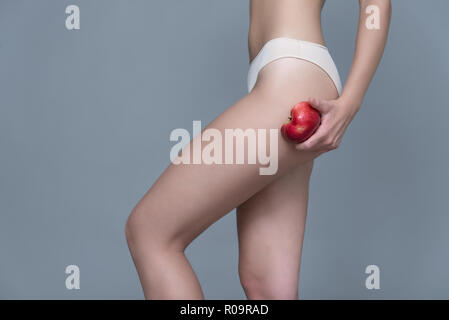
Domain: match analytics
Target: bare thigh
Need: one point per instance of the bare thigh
(187, 198)
(271, 227)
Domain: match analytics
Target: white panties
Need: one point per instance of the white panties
(288, 47)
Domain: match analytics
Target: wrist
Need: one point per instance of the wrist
(351, 101)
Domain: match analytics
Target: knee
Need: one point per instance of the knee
(133, 229)
(145, 231)
(139, 230)
(274, 285)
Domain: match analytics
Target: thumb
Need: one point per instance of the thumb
(323, 106)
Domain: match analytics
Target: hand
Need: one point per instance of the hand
(335, 118)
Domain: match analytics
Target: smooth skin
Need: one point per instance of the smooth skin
(271, 209)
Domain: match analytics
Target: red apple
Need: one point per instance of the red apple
(304, 120)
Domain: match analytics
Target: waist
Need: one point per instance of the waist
(299, 19)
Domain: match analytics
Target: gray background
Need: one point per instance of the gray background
(85, 118)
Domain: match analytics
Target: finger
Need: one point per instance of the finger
(305, 146)
(321, 105)
(316, 138)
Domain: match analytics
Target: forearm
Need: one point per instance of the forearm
(370, 44)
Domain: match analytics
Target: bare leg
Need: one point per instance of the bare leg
(186, 199)
(271, 228)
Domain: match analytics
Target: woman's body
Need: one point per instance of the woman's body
(271, 209)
